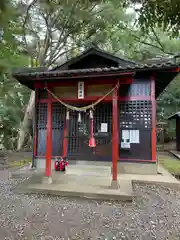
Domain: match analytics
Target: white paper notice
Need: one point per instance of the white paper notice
(125, 134)
(134, 136)
(125, 145)
(104, 127)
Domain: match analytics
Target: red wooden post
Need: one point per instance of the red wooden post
(49, 138)
(65, 138)
(115, 140)
(153, 101)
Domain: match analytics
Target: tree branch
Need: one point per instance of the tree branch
(63, 53)
(157, 38)
(53, 55)
(150, 44)
(47, 41)
(25, 21)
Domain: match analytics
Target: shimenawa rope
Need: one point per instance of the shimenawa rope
(84, 108)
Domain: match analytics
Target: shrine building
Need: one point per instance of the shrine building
(99, 109)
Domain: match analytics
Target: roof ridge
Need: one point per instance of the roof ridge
(92, 50)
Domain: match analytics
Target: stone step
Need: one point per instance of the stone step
(89, 170)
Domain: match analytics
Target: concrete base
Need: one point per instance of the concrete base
(78, 186)
(137, 168)
(115, 185)
(123, 167)
(41, 163)
(47, 180)
(93, 186)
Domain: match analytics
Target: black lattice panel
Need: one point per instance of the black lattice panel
(79, 133)
(58, 120)
(41, 115)
(58, 116)
(103, 114)
(103, 146)
(41, 127)
(135, 114)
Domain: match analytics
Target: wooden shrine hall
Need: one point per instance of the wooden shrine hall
(176, 117)
(97, 108)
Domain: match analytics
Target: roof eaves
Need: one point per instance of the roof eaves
(173, 116)
(139, 67)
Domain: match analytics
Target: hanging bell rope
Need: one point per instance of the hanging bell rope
(85, 108)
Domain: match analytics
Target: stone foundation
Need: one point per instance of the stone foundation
(137, 168)
(123, 167)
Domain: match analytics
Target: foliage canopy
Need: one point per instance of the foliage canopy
(52, 31)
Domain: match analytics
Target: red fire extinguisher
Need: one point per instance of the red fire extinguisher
(61, 164)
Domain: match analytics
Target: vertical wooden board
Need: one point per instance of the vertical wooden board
(139, 87)
(178, 133)
(136, 115)
(41, 147)
(139, 151)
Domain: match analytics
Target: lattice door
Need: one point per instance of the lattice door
(58, 118)
(41, 128)
(79, 133)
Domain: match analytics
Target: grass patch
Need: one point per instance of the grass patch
(20, 163)
(170, 163)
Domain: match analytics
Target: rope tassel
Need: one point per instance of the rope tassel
(79, 117)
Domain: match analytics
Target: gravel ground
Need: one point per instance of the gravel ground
(154, 214)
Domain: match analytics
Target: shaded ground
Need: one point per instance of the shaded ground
(154, 214)
(18, 156)
(14, 159)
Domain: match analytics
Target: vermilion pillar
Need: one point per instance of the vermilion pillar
(153, 101)
(65, 138)
(49, 138)
(115, 139)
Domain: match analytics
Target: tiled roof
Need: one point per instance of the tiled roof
(173, 116)
(98, 53)
(135, 67)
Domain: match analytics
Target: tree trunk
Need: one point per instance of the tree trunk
(27, 121)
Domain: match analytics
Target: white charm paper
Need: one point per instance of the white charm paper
(134, 136)
(104, 127)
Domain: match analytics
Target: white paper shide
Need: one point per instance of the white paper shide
(104, 127)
